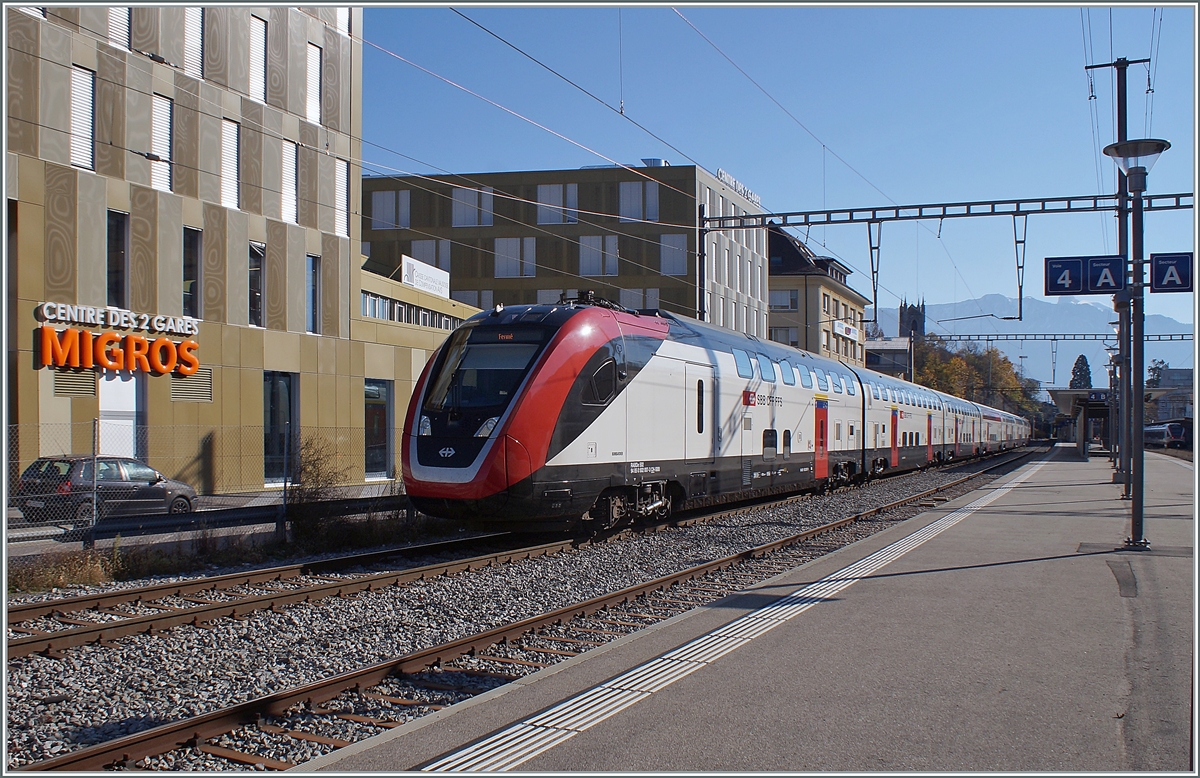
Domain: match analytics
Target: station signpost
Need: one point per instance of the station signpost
(1171, 272)
(1085, 275)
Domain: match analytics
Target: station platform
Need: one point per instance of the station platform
(1008, 630)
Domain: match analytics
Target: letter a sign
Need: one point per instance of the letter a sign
(1171, 272)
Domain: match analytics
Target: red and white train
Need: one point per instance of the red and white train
(544, 417)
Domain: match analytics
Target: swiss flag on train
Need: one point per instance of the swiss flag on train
(748, 397)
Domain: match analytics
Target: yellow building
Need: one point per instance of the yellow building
(184, 256)
(811, 305)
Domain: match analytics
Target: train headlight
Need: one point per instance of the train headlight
(486, 428)
(424, 428)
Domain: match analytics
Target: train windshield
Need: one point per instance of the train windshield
(483, 368)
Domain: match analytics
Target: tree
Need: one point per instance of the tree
(1081, 374)
(1154, 373)
(874, 331)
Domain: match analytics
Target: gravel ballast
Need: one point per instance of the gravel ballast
(95, 694)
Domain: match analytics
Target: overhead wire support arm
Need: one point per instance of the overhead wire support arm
(1052, 336)
(1019, 210)
(1020, 224)
(1081, 204)
(874, 236)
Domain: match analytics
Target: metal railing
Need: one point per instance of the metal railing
(227, 466)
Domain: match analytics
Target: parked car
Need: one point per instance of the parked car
(60, 489)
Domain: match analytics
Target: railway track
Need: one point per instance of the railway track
(282, 729)
(48, 627)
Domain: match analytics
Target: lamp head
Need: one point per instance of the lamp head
(1130, 154)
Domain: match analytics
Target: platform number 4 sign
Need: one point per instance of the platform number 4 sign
(1171, 272)
(1064, 275)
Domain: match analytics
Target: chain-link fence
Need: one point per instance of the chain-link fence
(65, 472)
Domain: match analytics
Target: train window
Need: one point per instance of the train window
(822, 383)
(837, 430)
(787, 444)
(766, 368)
(835, 381)
(700, 407)
(478, 375)
(787, 372)
(805, 377)
(770, 443)
(850, 385)
(744, 368)
(603, 385)
(875, 391)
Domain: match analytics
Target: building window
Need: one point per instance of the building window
(633, 298)
(785, 299)
(383, 209)
(378, 421)
(343, 19)
(230, 196)
(638, 201)
(390, 209)
(598, 255)
(191, 273)
(193, 42)
(558, 204)
(161, 116)
(312, 295)
(432, 252)
(258, 253)
(118, 259)
(289, 192)
(472, 207)
(118, 26)
(312, 102)
(515, 257)
(341, 198)
(730, 270)
(673, 255)
(258, 59)
(280, 434)
(83, 104)
(786, 335)
(825, 339)
(37, 11)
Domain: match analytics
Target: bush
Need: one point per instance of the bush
(317, 477)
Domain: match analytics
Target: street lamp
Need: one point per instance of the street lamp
(1135, 158)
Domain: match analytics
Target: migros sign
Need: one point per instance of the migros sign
(76, 347)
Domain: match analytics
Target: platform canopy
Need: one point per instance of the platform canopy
(1070, 401)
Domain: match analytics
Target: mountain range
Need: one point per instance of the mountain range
(1065, 316)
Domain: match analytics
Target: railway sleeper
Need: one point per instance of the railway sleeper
(241, 757)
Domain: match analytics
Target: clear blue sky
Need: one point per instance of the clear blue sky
(888, 105)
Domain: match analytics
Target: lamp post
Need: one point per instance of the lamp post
(1135, 158)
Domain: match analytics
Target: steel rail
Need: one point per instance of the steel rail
(102, 632)
(193, 731)
(30, 610)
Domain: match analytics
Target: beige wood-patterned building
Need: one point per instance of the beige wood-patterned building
(198, 170)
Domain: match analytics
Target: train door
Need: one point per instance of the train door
(929, 437)
(821, 420)
(895, 437)
(957, 436)
(747, 447)
(700, 413)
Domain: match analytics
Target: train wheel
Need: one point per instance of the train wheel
(664, 511)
